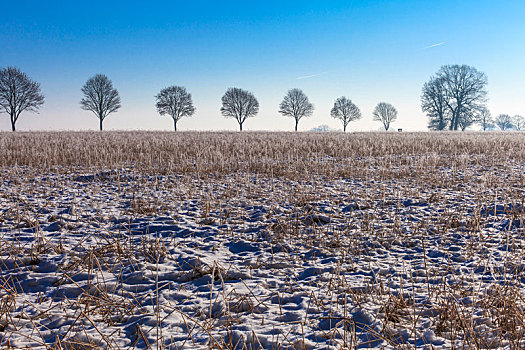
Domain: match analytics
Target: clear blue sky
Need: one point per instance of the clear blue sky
(369, 51)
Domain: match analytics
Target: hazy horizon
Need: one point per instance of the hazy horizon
(368, 51)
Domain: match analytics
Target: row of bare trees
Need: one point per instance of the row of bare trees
(241, 104)
(502, 121)
(454, 98)
(19, 93)
(506, 122)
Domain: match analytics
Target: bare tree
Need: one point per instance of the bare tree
(385, 113)
(461, 88)
(465, 91)
(296, 104)
(485, 119)
(518, 122)
(434, 105)
(345, 110)
(100, 97)
(239, 104)
(504, 121)
(176, 102)
(18, 93)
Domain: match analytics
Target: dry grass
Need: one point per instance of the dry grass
(472, 184)
(203, 153)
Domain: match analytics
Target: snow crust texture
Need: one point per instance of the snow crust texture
(122, 260)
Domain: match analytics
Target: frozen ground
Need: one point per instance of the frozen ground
(390, 261)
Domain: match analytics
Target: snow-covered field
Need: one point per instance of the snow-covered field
(261, 240)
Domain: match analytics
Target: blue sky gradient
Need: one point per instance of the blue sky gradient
(369, 51)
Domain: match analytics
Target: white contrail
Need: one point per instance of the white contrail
(310, 76)
(434, 45)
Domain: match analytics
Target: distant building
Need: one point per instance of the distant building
(323, 128)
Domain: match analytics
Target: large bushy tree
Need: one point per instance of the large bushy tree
(100, 97)
(18, 93)
(454, 96)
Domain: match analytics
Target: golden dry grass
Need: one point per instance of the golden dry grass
(256, 152)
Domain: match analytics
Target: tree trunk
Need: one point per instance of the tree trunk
(174, 124)
(240, 126)
(452, 121)
(344, 127)
(296, 123)
(458, 113)
(100, 124)
(441, 122)
(13, 128)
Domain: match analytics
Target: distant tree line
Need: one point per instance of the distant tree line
(453, 99)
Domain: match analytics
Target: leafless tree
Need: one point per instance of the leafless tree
(504, 121)
(385, 113)
(345, 110)
(518, 122)
(18, 93)
(461, 88)
(296, 104)
(176, 102)
(100, 97)
(433, 103)
(239, 104)
(465, 91)
(485, 119)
